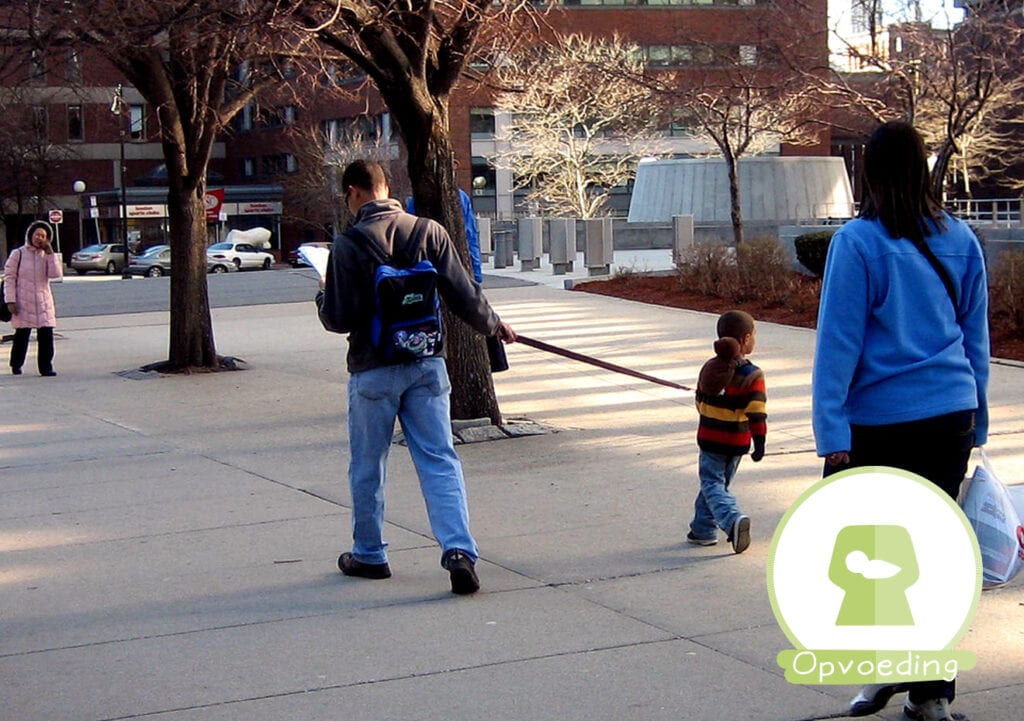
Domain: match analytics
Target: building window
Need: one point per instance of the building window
(674, 56)
(748, 55)
(682, 124)
(76, 124)
(248, 167)
(276, 117)
(484, 177)
(243, 121)
(137, 122)
(481, 122)
(37, 66)
(74, 66)
(278, 164)
(40, 124)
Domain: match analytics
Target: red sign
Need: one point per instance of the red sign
(213, 200)
(56, 216)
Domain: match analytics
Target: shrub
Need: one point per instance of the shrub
(1006, 288)
(812, 248)
(709, 269)
(764, 272)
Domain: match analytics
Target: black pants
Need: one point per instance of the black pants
(44, 354)
(936, 448)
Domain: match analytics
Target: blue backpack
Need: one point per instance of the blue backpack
(406, 323)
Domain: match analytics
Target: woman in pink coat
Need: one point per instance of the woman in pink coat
(27, 276)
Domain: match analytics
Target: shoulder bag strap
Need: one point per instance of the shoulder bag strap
(947, 281)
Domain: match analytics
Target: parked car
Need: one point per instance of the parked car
(293, 255)
(220, 266)
(105, 257)
(242, 255)
(154, 262)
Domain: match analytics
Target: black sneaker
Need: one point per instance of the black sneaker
(351, 567)
(690, 538)
(740, 536)
(463, 574)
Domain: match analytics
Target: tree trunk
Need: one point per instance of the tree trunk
(432, 173)
(735, 214)
(939, 170)
(191, 331)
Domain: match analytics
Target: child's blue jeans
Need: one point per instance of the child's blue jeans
(715, 506)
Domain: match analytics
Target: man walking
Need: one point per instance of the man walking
(415, 391)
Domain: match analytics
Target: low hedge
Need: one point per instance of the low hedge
(811, 250)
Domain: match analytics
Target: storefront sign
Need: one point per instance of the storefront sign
(147, 211)
(272, 208)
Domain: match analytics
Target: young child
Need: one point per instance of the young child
(731, 402)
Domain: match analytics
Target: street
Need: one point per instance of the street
(87, 295)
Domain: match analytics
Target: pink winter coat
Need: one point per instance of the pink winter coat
(27, 275)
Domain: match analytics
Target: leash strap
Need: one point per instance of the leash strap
(547, 347)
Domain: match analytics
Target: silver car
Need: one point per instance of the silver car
(105, 257)
(156, 261)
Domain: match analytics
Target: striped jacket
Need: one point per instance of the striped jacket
(731, 419)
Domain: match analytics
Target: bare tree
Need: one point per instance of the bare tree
(580, 120)
(414, 52)
(197, 64)
(960, 86)
(747, 103)
(322, 149)
(29, 161)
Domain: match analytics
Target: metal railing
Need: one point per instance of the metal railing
(1004, 212)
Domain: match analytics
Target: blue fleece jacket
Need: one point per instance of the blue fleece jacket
(890, 348)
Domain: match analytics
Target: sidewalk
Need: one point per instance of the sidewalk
(169, 545)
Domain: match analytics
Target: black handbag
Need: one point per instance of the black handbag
(5, 312)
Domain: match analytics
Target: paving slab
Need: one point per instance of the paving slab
(168, 545)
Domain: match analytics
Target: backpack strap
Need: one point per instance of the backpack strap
(403, 258)
(372, 247)
(415, 241)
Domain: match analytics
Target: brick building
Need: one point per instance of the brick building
(66, 99)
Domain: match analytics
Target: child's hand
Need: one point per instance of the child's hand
(758, 453)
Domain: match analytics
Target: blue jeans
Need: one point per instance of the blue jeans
(417, 394)
(715, 506)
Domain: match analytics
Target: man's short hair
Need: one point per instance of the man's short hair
(364, 174)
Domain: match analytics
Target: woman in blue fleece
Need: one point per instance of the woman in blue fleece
(901, 363)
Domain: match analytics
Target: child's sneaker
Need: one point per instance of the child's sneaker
(740, 536)
(690, 538)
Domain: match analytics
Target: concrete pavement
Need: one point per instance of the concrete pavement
(169, 544)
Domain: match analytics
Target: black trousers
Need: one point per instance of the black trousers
(938, 449)
(44, 354)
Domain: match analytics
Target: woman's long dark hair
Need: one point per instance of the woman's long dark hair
(896, 183)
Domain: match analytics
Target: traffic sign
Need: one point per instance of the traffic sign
(56, 216)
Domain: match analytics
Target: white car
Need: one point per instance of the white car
(241, 255)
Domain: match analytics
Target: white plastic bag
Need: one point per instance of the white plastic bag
(989, 507)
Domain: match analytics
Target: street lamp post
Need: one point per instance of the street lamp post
(79, 187)
(117, 107)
